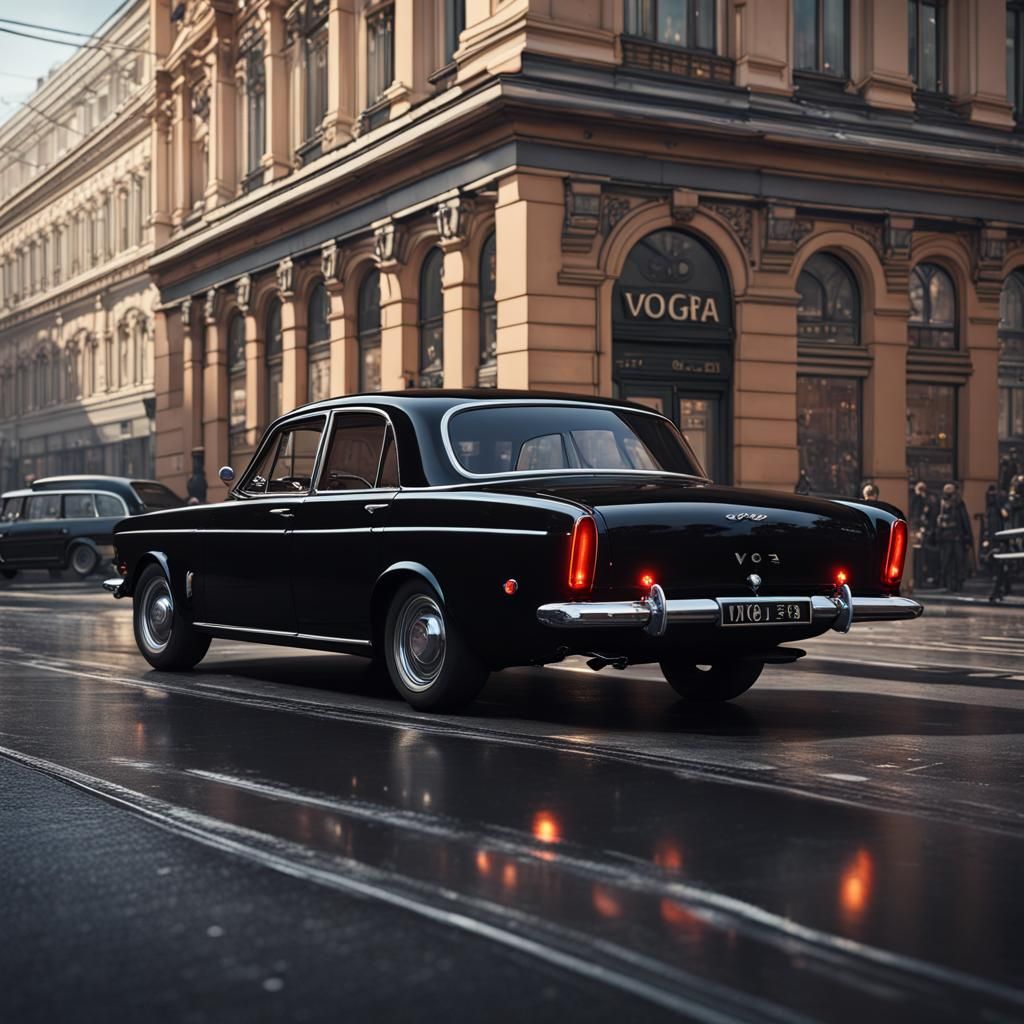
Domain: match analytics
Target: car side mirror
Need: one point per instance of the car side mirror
(227, 474)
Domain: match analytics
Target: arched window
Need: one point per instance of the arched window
(123, 349)
(318, 338)
(140, 345)
(272, 355)
(431, 373)
(829, 310)
(56, 375)
(488, 373)
(1011, 363)
(236, 387)
(368, 328)
(72, 389)
(932, 322)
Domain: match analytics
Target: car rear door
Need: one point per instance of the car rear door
(39, 537)
(336, 545)
(245, 570)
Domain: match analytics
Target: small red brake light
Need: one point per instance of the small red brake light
(647, 580)
(892, 570)
(583, 553)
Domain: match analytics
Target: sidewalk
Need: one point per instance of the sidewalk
(975, 592)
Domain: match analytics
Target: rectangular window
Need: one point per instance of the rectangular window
(286, 464)
(380, 53)
(926, 38)
(256, 113)
(1015, 56)
(316, 81)
(931, 432)
(686, 24)
(820, 35)
(353, 457)
(829, 433)
(124, 214)
(454, 23)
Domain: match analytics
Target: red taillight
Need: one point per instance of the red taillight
(583, 553)
(892, 571)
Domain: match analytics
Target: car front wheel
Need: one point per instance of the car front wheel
(429, 663)
(165, 639)
(721, 681)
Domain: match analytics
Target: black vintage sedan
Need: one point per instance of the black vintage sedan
(449, 534)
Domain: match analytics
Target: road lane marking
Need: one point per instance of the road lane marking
(921, 767)
(843, 777)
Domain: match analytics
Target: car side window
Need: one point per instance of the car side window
(354, 452)
(108, 505)
(389, 464)
(286, 466)
(79, 506)
(43, 506)
(12, 509)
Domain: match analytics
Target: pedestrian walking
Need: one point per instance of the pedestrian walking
(953, 532)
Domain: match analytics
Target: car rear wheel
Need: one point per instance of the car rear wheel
(429, 663)
(84, 560)
(8, 574)
(721, 681)
(165, 639)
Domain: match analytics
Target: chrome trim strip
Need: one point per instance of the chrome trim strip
(555, 403)
(341, 529)
(1003, 555)
(277, 632)
(885, 609)
(459, 529)
(1017, 531)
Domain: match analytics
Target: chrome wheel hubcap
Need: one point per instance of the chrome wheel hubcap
(420, 642)
(82, 560)
(157, 615)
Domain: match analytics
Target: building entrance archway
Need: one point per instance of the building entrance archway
(672, 320)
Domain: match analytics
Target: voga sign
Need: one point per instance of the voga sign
(682, 307)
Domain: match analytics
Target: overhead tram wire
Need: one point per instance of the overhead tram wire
(75, 44)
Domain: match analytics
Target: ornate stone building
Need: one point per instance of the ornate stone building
(788, 224)
(76, 303)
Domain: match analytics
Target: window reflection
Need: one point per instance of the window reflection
(932, 321)
(931, 432)
(829, 309)
(828, 433)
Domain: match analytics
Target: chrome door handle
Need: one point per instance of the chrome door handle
(284, 513)
(371, 508)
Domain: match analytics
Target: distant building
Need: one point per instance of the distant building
(76, 303)
(788, 226)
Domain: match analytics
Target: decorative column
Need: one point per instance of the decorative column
(882, 77)
(181, 143)
(222, 181)
(192, 379)
(978, 71)
(344, 344)
(254, 364)
(763, 29)
(277, 155)
(399, 321)
(168, 382)
(215, 385)
(294, 366)
(461, 294)
(341, 73)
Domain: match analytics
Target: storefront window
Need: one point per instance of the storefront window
(932, 322)
(688, 24)
(236, 387)
(926, 24)
(820, 36)
(431, 373)
(829, 310)
(369, 333)
(272, 355)
(1011, 362)
(318, 339)
(828, 433)
(931, 432)
(488, 374)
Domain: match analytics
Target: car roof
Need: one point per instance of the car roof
(22, 492)
(95, 479)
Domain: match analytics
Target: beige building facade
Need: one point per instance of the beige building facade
(76, 301)
(797, 228)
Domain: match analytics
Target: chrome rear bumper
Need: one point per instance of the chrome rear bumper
(655, 613)
(116, 586)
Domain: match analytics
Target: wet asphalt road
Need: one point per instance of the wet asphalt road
(272, 835)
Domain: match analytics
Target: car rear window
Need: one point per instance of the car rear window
(43, 506)
(548, 438)
(154, 495)
(109, 505)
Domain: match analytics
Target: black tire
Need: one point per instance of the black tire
(429, 663)
(56, 574)
(163, 636)
(721, 681)
(8, 574)
(83, 560)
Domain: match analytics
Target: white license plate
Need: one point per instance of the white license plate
(781, 612)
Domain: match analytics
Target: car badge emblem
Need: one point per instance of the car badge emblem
(754, 517)
(755, 582)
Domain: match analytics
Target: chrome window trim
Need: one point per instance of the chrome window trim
(389, 428)
(553, 403)
(461, 529)
(62, 494)
(273, 431)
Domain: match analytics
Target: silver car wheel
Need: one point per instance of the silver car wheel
(156, 614)
(83, 560)
(419, 642)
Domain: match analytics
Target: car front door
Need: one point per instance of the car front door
(336, 544)
(244, 578)
(37, 539)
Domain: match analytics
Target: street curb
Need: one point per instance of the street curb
(1013, 604)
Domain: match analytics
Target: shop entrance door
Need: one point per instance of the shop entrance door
(699, 413)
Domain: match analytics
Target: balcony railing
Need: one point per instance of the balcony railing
(697, 65)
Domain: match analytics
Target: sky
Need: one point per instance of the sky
(22, 60)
